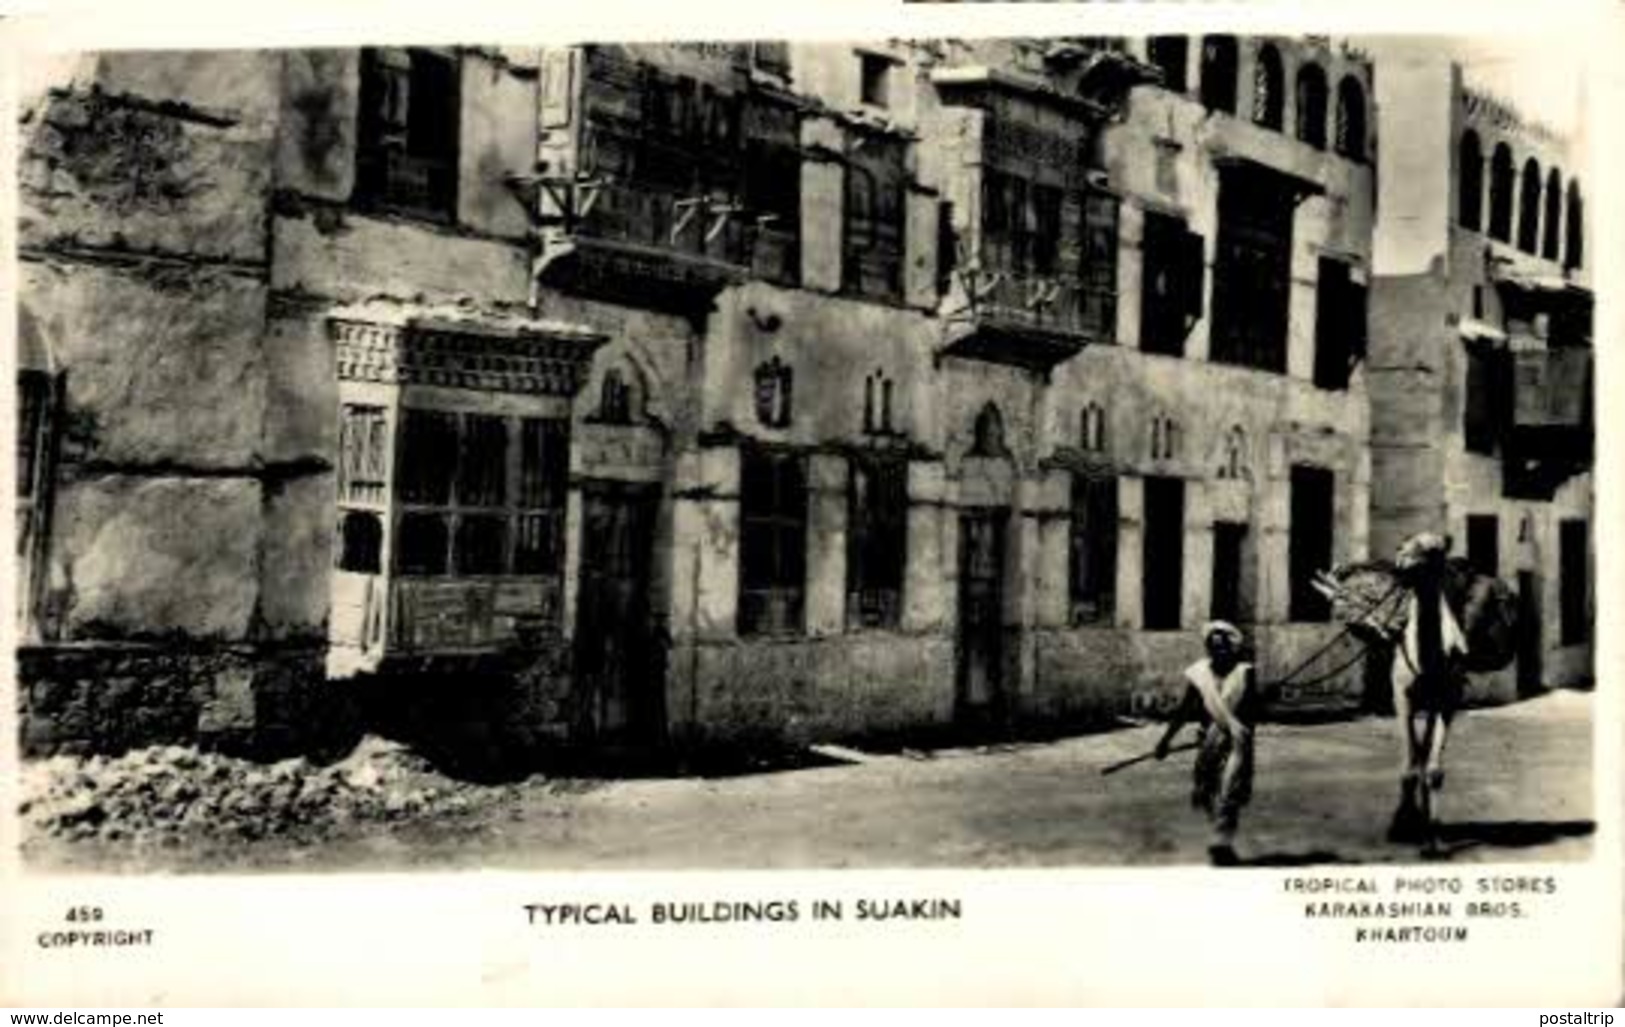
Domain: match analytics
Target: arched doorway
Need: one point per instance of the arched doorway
(984, 524)
(618, 669)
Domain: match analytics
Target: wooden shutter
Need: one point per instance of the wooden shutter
(1225, 601)
(1310, 546)
(1573, 545)
(1093, 548)
(1099, 299)
(1163, 552)
(1332, 324)
(1192, 276)
(386, 93)
(1484, 544)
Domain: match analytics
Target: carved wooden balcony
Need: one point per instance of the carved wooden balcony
(1551, 437)
(1033, 322)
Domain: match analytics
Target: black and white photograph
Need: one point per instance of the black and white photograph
(990, 452)
(940, 453)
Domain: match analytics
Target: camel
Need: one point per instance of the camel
(1420, 618)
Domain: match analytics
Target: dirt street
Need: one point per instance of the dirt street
(1519, 787)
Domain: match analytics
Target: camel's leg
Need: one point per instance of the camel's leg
(1432, 748)
(1435, 760)
(1406, 825)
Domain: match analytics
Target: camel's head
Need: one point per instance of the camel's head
(1422, 554)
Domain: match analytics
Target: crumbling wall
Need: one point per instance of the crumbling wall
(144, 240)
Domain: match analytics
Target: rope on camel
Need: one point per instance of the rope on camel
(1348, 629)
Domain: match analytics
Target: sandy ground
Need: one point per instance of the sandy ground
(1519, 788)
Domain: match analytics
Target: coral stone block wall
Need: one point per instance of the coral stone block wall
(173, 599)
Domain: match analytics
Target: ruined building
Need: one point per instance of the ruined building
(1481, 358)
(686, 392)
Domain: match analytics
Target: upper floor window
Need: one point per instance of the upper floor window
(1487, 404)
(875, 72)
(1340, 323)
(773, 58)
(407, 132)
(1098, 296)
(1549, 247)
(1501, 194)
(1269, 89)
(1470, 182)
(1219, 73)
(1574, 230)
(771, 190)
(1350, 141)
(1170, 55)
(1172, 272)
(1529, 207)
(1311, 127)
(1252, 275)
(874, 211)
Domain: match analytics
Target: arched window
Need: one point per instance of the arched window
(1501, 194)
(988, 439)
(1235, 454)
(1094, 428)
(1350, 139)
(1529, 207)
(1549, 247)
(1269, 89)
(1164, 438)
(877, 404)
(775, 384)
(614, 399)
(1311, 95)
(1170, 55)
(1574, 228)
(1470, 187)
(1219, 73)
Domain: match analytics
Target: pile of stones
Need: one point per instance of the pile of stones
(172, 795)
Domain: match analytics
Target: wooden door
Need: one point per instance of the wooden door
(619, 687)
(1163, 553)
(981, 614)
(1530, 641)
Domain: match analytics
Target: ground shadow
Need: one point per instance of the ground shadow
(1316, 857)
(1511, 834)
(943, 737)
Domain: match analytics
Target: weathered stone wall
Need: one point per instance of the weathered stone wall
(816, 689)
(107, 698)
(177, 596)
(328, 255)
(1054, 671)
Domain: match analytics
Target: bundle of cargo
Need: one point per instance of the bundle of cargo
(1373, 594)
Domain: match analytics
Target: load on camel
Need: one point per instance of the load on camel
(1441, 620)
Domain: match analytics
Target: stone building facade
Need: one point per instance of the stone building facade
(1481, 358)
(687, 392)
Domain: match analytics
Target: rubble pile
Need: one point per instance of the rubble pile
(169, 794)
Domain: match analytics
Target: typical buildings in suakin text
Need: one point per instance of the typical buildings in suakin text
(681, 393)
(1481, 358)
